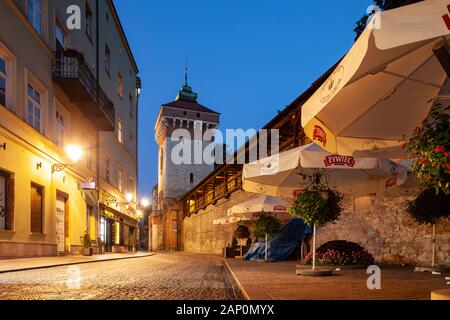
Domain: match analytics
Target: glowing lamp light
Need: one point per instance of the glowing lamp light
(129, 197)
(139, 214)
(74, 153)
(145, 202)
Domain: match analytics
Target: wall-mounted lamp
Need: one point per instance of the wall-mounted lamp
(3, 146)
(74, 154)
(38, 165)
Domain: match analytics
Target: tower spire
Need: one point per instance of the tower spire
(186, 74)
(186, 92)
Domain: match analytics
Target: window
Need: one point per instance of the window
(88, 21)
(120, 85)
(107, 169)
(107, 60)
(34, 10)
(191, 178)
(60, 37)
(120, 130)
(59, 124)
(120, 180)
(37, 197)
(102, 229)
(3, 81)
(34, 108)
(131, 185)
(131, 106)
(6, 201)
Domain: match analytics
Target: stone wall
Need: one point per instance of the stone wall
(379, 223)
(382, 226)
(199, 233)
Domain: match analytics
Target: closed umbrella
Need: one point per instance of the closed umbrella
(386, 84)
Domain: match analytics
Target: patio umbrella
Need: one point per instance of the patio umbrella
(386, 84)
(258, 205)
(284, 175)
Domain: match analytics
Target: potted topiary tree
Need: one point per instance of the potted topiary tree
(241, 234)
(317, 206)
(266, 226)
(429, 150)
(429, 208)
(87, 244)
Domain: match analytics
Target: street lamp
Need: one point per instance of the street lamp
(145, 202)
(129, 197)
(73, 153)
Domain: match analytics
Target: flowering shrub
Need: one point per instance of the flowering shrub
(340, 252)
(429, 146)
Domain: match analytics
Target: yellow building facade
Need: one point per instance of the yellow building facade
(62, 87)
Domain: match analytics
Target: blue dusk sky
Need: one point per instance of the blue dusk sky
(247, 58)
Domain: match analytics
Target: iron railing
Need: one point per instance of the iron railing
(70, 64)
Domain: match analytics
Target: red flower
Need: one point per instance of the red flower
(439, 149)
(447, 154)
(423, 160)
(447, 166)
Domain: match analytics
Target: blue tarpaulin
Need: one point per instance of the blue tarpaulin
(281, 245)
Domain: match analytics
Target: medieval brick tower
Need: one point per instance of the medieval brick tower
(175, 179)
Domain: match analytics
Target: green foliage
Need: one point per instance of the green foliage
(429, 207)
(340, 252)
(429, 146)
(266, 224)
(313, 208)
(241, 232)
(86, 240)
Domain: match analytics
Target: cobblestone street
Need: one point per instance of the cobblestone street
(162, 276)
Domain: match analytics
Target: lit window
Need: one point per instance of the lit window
(34, 108)
(120, 85)
(3, 80)
(59, 128)
(35, 14)
(120, 180)
(120, 130)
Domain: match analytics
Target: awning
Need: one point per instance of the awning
(284, 175)
(385, 86)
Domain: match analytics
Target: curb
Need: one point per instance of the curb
(244, 293)
(73, 263)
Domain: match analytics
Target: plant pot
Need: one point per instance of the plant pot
(229, 252)
(87, 251)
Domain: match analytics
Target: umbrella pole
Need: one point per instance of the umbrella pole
(266, 246)
(314, 248)
(433, 255)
